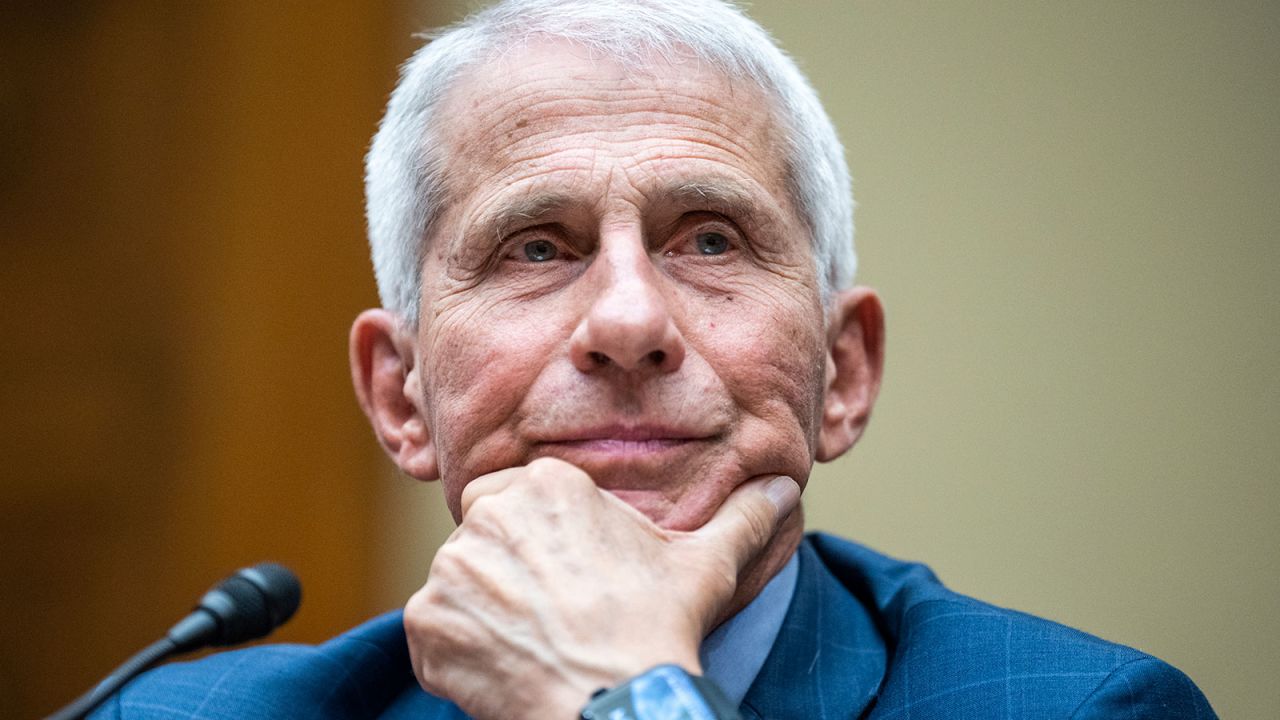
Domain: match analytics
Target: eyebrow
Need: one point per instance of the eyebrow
(501, 221)
(717, 195)
(714, 194)
(758, 214)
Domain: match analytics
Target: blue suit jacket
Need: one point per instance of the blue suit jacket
(865, 637)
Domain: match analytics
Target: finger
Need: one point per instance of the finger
(491, 484)
(543, 470)
(750, 516)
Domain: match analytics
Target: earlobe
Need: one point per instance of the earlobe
(384, 373)
(855, 361)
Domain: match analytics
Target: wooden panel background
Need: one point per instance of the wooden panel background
(1070, 210)
(181, 253)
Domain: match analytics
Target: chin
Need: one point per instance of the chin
(653, 504)
(680, 514)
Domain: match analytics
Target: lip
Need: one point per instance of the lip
(623, 441)
(634, 433)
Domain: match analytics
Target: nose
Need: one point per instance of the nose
(628, 324)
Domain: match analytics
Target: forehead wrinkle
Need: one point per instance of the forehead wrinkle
(520, 106)
(510, 79)
(530, 120)
(528, 111)
(691, 124)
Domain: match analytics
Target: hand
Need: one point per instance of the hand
(551, 588)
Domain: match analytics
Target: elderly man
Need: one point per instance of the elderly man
(613, 242)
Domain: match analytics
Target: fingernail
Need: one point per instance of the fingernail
(784, 493)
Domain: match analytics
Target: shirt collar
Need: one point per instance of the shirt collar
(733, 653)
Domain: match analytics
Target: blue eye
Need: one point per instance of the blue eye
(540, 250)
(712, 243)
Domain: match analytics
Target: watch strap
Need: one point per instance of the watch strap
(666, 692)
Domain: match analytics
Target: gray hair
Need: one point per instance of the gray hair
(405, 172)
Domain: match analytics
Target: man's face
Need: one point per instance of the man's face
(619, 280)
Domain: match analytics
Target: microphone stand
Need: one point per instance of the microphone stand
(144, 660)
(246, 606)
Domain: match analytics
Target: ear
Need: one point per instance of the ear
(384, 372)
(855, 361)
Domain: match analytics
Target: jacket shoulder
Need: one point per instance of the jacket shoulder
(356, 674)
(949, 652)
(1146, 687)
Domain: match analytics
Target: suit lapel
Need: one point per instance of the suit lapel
(828, 660)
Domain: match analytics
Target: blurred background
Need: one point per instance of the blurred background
(1071, 210)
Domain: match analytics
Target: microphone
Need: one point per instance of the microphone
(246, 606)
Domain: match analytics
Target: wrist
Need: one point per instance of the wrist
(571, 684)
(665, 691)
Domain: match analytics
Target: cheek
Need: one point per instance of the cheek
(772, 363)
(476, 373)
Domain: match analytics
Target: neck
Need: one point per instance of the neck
(768, 563)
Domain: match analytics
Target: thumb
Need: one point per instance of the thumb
(750, 516)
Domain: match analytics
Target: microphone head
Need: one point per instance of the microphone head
(280, 588)
(253, 602)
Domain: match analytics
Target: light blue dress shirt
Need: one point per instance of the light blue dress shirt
(733, 653)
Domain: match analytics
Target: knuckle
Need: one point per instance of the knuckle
(542, 471)
(538, 475)
(425, 653)
(482, 510)
(546, 466)
(417, 611)
(427, 674)
(579, 478)
(422, 623)
(447, 565)
(470, 494)
(546, 473)
(490, 520)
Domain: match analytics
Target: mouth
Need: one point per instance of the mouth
(622, 443)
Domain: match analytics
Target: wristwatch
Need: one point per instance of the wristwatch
(666, 692)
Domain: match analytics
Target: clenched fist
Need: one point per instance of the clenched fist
(551, 588)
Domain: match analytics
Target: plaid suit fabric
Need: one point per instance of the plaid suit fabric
(865, 636)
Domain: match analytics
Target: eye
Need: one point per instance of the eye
(711, 243)
(540, 250)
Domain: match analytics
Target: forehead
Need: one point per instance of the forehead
(556, 117)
